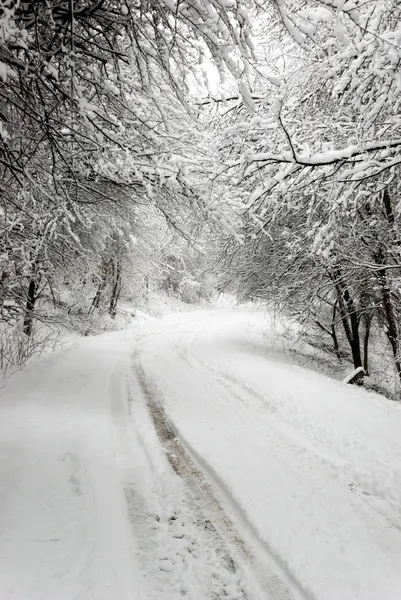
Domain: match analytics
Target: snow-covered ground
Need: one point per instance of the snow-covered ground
(179, 458)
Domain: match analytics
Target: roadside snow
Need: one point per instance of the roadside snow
(63, 530)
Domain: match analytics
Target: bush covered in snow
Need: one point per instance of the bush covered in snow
(189, 290)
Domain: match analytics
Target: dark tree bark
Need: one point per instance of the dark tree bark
(367, 321)
(115, 293)
(349, 316)
(29, 307)
(332, 331)
(380, 258)
(388, 209)
(388, 309)
(98, 295)
(101, 287)
(3, 279)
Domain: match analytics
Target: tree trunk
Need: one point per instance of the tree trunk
(388, 209)
(3, 279)
(367, 320)
(115, 294)
(29, 307)
(98, 295)
(334, 333)
(388, 308)
(349, 316)
(101, 287)
(381, 258)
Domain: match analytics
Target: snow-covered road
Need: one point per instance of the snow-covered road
(180, 459)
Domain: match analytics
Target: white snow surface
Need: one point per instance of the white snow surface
(305, 470)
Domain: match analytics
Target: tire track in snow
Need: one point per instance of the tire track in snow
(179, 549)
(236, 388)
(183, 465)
(220, 523)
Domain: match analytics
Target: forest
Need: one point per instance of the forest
(200, 147)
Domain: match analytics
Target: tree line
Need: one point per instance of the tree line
(315, 164)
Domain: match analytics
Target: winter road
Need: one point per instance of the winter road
(179, 459)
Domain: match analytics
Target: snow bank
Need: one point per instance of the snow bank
(63, 530)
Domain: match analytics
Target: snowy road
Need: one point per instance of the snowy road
(179, 459)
